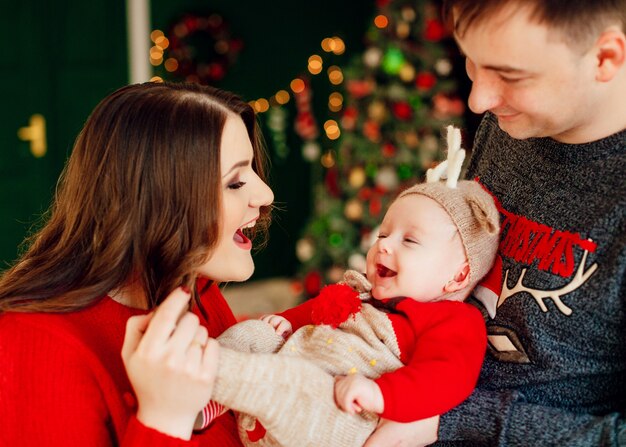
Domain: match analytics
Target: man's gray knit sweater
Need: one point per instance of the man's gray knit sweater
(555, 308)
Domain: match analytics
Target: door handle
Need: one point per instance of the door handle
(35, 132)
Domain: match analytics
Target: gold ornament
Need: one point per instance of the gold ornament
(407, 73)
(353, 210)
(377, 111)
(357, 177)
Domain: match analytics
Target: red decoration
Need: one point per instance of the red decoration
(332, 182)
(348, 119)
(312, 283)
(402, 110)
(371, 130)
(376, 206)
(389, 150)
(360, 88)
(434, 30)
(194, 41)
(382, 3)
(334, 305)
(445, 107)
(305, 124)
(365, 193)
(425, 81)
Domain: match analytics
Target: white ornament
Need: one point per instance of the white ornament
(357, 262)
(372, 57)
(311, 151)
(304, 250)
(443, 67)
(369, 239)
(387, 178)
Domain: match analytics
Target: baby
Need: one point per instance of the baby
(399, 344)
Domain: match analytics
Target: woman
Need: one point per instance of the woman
(150, 211)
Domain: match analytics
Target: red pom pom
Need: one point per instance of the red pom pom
(334, 305)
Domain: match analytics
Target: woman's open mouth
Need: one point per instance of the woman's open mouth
(241, 239)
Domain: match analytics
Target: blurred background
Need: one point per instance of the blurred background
(352, 98)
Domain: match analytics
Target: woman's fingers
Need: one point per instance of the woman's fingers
(166, 317)
(183, 334)
(135, 328)
(210, 359)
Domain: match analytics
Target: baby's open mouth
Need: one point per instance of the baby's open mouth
(384, 272)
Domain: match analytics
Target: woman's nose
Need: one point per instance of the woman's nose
(262, 195)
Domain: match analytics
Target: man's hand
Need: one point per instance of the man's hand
(396, 434)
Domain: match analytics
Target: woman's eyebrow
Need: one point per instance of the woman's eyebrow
(237, 165)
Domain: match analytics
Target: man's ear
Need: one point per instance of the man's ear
(610, 52)
(460, 280)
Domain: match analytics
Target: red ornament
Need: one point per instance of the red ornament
(365, 193)
(445, 107)
(425, 81)
(371, 130)
(332, 182)
(389, 150)
(434, 30)
(305, 126)
(334, 305)
(376, 206)
(402, 111)
(348, 119)
(382, 3)
(360, 88)
(312, 283)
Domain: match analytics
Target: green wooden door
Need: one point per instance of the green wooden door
(59, 59)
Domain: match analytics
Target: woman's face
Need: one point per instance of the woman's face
(243, 194)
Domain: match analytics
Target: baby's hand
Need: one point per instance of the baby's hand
(281, 325)
(355, 393)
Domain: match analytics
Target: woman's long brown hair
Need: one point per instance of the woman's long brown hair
(138, 201)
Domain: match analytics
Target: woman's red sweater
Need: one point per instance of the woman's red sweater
(63, 383)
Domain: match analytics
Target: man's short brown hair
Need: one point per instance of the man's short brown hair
(578, 20)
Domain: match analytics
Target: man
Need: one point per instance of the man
(550, 77)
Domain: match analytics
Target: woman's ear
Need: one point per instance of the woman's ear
(460, 279)
(610, 52)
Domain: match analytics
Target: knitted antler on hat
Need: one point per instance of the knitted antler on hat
(450, 168)
(470, 206)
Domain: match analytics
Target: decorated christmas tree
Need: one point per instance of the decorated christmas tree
(381, 136)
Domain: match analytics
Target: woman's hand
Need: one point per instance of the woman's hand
(171, 364)
(396, 434)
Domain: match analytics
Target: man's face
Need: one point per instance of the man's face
(525, 74)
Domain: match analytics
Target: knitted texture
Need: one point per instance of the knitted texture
(63, 382)
(292, 393)
(567, 386)
(476, 217)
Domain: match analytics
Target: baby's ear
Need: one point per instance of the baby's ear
(486, 213)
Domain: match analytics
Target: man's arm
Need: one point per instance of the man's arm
(504, 418)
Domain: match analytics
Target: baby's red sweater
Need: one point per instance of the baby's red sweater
(63, 383)
(442, 346)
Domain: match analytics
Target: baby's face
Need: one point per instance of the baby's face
(417, 252)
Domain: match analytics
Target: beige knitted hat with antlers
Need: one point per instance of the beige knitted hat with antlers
(470, 206)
